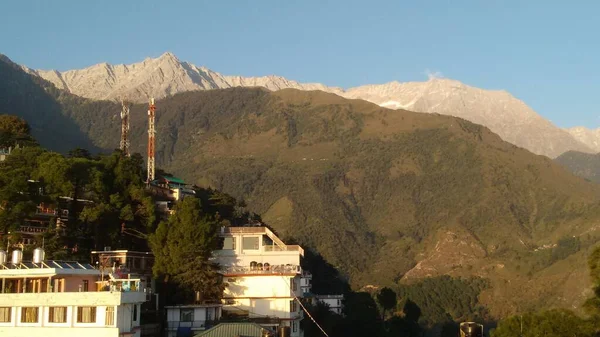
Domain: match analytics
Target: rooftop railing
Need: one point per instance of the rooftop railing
(46, 264)
(120, 285)
(264, 270)
(287, 248)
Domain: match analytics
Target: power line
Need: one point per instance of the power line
(303, 308)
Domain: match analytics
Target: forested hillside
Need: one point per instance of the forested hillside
(385, 196)
(585, 165)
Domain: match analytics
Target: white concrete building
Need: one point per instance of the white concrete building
(263, 277)
(306, 282)
(188, 320)
(63, 299)
(335, 302)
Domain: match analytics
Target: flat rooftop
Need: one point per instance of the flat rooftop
(47, 267)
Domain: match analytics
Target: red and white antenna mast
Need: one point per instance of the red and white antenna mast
(151, 140)
(125, 129)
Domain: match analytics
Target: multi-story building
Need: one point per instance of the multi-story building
(188, 320)
(57, 298)
(306, 283)
(334, 302)
(127, 262)
(263, 278)
(166, 191)
(38, 223)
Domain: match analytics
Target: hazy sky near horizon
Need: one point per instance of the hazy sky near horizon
(546, 53)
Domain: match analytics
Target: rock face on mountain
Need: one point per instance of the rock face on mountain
(505, 115)
(589, 137)
(160, 77)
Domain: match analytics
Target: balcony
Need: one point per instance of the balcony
(287, 248)
(194, 325)
(91, 298)
(268, 270)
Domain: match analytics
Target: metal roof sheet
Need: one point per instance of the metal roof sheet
(233, 330)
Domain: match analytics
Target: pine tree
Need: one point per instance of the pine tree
(182, 247)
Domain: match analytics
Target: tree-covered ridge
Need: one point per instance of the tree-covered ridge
(14, 132)
(585, 165)
(105, 193)
(385, 196)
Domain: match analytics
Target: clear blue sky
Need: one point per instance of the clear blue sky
(544, 52)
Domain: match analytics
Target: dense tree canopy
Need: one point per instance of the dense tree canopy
(101, 195)
(553, 323)
(182, 246)
(14, 131)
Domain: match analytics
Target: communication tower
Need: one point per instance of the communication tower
(151, 140)
(125, 128)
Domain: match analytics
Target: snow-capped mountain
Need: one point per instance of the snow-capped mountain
(159, 77)
(504, 114)
(589, 137)
(166, 75)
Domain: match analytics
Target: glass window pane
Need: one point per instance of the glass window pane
(187, 315)
(86, 314)
(57, 315)
(110, 316)
(229, 243)
(250, 243)
(29, 315)
(5, 314)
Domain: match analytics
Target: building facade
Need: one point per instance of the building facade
(263, 278)
(334, 302)
(188, 320)
(63, 299)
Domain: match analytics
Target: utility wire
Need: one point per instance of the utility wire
(303, 308)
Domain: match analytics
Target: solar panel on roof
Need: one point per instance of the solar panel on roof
(29, 265)
(63, 265)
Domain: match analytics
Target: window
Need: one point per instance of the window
(86, 285)
(110, 316)
(134, 312)
(86, 314)
(295, 326)
(5, 314)
(57, 315)
(209, 314)
(229, 243)
(293, 284)
(186, 315)
(293, 306)
(29, 314)
(250, 243)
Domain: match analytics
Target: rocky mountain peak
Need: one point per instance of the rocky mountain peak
(166, 75)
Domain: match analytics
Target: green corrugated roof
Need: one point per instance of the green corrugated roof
(233, 330)
(174, 180)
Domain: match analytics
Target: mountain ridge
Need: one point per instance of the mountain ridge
(166, 75)
(384, 195)
(587, 136)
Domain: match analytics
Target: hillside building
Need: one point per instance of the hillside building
(62, 299)
(189, 320)
(166, 191)
(263, 278)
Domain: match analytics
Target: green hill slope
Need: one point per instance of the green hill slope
(585, 165)
(39, 102)
(385, 196)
